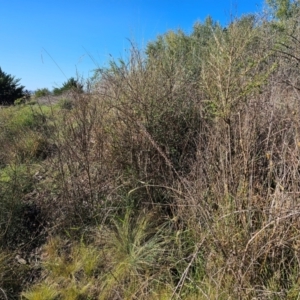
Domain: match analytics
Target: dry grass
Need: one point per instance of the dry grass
(168, 181)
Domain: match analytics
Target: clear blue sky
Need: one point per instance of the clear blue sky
(45, 42)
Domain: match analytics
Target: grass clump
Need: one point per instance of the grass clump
(67, 270)
(119, 261)
(135, 251)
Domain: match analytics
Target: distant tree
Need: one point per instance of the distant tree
(203, 32)
(70, 84)
(174, 48)
(42, 92)
(284, 9)
(10, 90)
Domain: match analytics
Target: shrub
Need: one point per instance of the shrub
(20, 101)
(11, 275)
(70, 85)
(42, 92)
(65, 103)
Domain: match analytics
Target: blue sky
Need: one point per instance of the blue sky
(45, 42)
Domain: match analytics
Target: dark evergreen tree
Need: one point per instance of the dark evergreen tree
(10, 90)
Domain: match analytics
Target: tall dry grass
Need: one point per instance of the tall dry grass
(176, 184)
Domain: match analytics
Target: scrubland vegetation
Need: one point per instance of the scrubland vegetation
(175, 175)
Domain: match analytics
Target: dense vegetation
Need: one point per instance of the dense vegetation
(174, 175)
